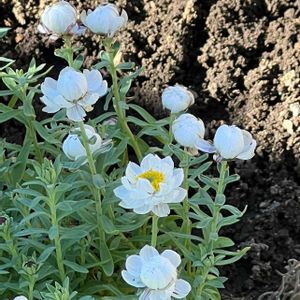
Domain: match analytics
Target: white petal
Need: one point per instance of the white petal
(161, 210)
(173, 257)
(249, 146)
(96, 84)
(132, 280)
(182, 289)
(132, 171)
(150, 162)
(134, 265)
(144, 209)
(88, 100)
(49, 88)
(76, 113)
(229, 141)
(73, 148)
(121, 192)
(148, 252)
(178, 177)
(175, 196)
(205, 146)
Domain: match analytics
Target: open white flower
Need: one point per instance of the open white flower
(177, 98)
(232, 142)
(151, 186)
(105, 19)
(20, 298)
(189, 132)
(156, 274)
(59, 19)
(73, 90)
(74, 149)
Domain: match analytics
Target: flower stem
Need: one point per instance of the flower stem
(119, 110)
(57, 244)
(154, 230)
(172, 119)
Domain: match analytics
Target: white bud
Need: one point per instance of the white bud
(20, 298)
(105, 19)
(189, 132)
(74, 149)
(59, 19)
(232, 142)
(177, 98)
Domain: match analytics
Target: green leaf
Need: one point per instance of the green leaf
(9, 115)
(98, 181)
(75, 267)
(3, 31)
(223, 242)
(53, 232)
(220, 199)
(108, 225)
(143, 113)
(126, 66)
(45, 254)
(106, 259)
(44, 133)
(235, 256)
(78, 62)
(19, 167)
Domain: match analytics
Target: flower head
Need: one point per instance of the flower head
(189, 132)
(74, 149)
(59, 19)
(73, 90)
(20, 298)
(232, 142)
(156, 274)
(151, 186)
(105, 19)
(177, 98)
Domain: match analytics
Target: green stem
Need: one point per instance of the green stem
(154, 230)
(186, 208)
(172, 119)
(31, 287)
(37, 149)
(57, 244)
(96, 191)
(119, 110)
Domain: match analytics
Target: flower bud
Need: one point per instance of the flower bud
(74, 149)
(105, 19)
(232, 142)
(20, 298)
(177, 98)
(59, 19)
(189, 132)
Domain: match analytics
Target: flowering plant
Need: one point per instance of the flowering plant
(90, 209)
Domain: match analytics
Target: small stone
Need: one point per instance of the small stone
(288, 125)
(295, 109)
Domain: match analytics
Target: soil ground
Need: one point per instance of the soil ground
(242, 60)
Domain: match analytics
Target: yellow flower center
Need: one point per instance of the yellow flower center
(155, 178)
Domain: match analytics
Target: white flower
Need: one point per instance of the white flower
(58, 19)
(177, 98)
(151, 186)
(74, 149)
(20, 298)
(232, 142)
(73, 90)
(189, 132)
(105, 19)
(156, 274)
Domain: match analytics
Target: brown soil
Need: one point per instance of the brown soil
(242, 59)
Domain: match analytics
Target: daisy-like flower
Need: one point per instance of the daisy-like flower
(232, 142)
(156, 274)
(73, 90)
(151, 186)
(74, 149)
(177, 98)
(105, 19)
(60, 19)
